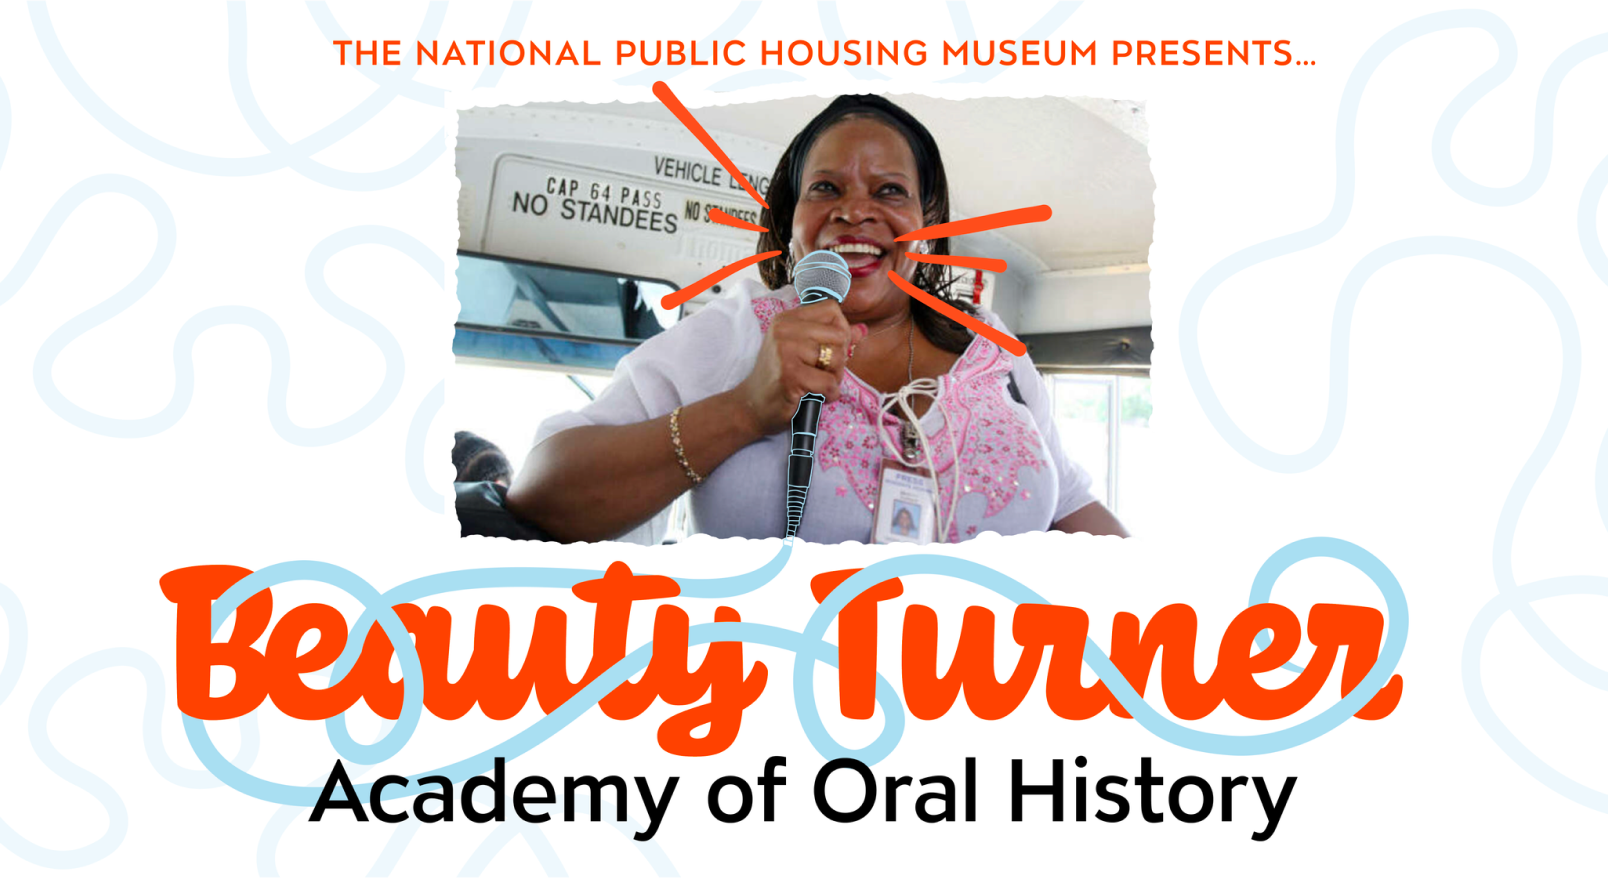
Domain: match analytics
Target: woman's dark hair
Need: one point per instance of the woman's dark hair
(783, 197)
(479, 460)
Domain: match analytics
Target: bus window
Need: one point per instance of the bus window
(518, 312)
(1117, 451)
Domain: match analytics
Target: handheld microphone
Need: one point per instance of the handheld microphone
(818, 276)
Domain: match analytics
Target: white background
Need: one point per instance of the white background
(1454, 371)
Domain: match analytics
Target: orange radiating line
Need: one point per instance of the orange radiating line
(987, 264)
(725, 219)
(1004, 340)
(669, 99)
(1035, 214)
(672, 300)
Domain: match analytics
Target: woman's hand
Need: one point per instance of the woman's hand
(596, 481)
(787, 367)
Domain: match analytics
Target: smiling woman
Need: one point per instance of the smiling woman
(922, 416)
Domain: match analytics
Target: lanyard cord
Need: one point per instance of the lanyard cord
(926, 387)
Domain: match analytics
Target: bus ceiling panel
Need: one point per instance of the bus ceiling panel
(486, 344)
(521, 296)
(609, 212)
(613, 125)
(1080, 300)
(1087, 158)
(1122, 349)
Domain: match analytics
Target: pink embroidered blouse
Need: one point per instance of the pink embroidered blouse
(1012, 474)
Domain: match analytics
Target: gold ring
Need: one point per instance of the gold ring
(823, 360)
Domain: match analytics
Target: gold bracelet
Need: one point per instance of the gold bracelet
(681, 453)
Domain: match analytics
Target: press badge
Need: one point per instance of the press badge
(906, 501)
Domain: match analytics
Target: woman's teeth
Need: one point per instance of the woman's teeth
(871, 249)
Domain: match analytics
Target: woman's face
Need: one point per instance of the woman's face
(904, 523)
(858, 192)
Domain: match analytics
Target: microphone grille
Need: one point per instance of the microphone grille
(819, 275)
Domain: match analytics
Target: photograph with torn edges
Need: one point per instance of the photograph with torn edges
(632, 350)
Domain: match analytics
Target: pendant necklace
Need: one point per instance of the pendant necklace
(909, 439)
(853, 349)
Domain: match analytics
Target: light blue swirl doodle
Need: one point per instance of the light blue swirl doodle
(290, 155)
(1048, 24)
(1507, 600)
(739, 18)
(1568, 389)
(1514, 600)
(391, 385)
(1384, 667)
(274, 831)
(353, 181)
(1339, 212)
(506, 578)
(183, 366)
(1546, 101)
(808, 646)
(1551, 296)
(832, 27)
(1507, 524)
(88, 782)
(151, 723)
(11, 672)
(498, 839)
(960, 17)
(550, 725)
(391, 855)
(392, 79)
(413, 454)
(513, 26)
(1163, 728)
(5, 122)
(77, 776)
(753, 79)
(377, 608)
(741, 584)
(1591, 246)
(1590, 237)
(16, 641)
(809, 715)
(190, 332)
(1552, 435)
(388, 746)
(81, 192)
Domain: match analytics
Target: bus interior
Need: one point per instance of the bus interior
(575, 220)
